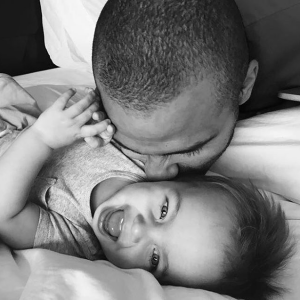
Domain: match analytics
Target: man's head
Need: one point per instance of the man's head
(201, 232)
(171, 75)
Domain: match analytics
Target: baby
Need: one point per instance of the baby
(203, 232)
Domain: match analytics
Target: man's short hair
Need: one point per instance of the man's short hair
(146, 52)
(261, 244)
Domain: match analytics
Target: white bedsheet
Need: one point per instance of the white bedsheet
(41, 274)
(57, 76)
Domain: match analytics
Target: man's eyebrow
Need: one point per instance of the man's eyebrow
(194, 147)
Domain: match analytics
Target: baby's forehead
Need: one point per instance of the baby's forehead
(215, 182)
(199, 183)
(216, 196)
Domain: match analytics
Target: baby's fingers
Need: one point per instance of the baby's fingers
(95, 141)
(108, 133)
(62, 101)
(94, 129)
(101, 140)
(86, 116)
(82, 105)
(99, 116)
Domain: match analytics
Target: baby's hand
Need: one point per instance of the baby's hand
(99, 139)
(59, 126)
(104, 137)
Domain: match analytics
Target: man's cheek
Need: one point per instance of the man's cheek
(198, 164)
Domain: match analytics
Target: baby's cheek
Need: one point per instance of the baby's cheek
(127, 259)
(120, 260)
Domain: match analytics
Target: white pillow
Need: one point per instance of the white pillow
(69, 29)
(265, 149)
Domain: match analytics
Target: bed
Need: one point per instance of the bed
(265, 149)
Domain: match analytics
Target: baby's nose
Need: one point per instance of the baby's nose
(139, 229)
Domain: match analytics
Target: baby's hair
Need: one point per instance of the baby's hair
(146, 52)
(261, 243)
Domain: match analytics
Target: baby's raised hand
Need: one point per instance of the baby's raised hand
(59, 126)
(100, 138)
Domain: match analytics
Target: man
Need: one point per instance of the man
(171, 75)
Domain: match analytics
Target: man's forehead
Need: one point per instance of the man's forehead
(188, 121)
(152, 147)
(165, 131)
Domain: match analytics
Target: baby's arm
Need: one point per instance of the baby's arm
(57, 127)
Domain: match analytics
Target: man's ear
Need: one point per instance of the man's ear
(249, 81)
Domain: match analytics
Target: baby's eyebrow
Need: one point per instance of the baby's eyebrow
(165, 270)
(177, 199)
(194, 147)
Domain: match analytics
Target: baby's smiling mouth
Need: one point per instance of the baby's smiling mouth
(113, 224)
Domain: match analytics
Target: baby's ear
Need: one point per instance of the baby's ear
(249, 81)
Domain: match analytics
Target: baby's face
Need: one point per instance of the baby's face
(176, 230)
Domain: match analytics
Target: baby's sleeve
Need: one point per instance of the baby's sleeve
(56, 233)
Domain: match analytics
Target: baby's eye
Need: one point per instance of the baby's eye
(164, 210)
(154, 260)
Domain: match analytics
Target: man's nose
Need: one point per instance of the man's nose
(160, 168)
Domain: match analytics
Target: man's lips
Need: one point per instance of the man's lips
(113, 223)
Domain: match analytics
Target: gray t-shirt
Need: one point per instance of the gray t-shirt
(62, 189)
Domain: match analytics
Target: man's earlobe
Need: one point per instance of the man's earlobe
(249, 81)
